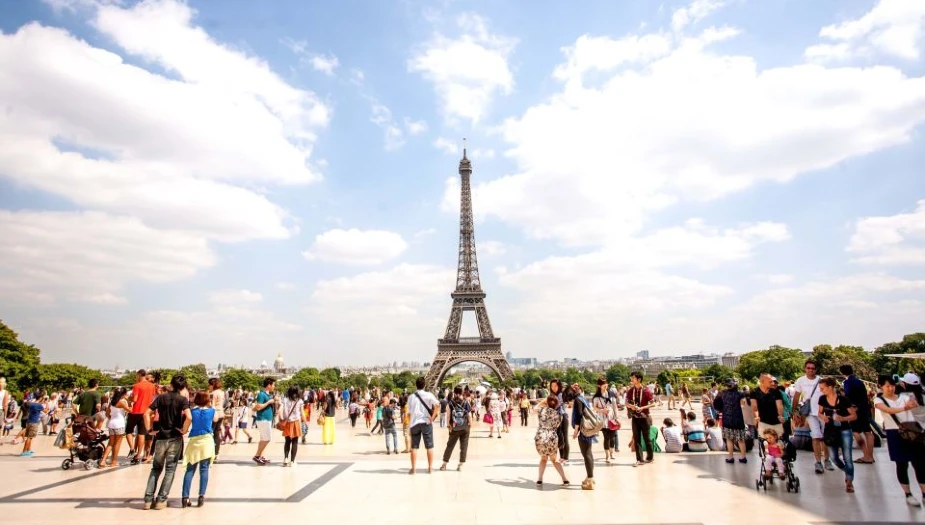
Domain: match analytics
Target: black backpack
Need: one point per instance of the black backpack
(460, 415)
(388, 417)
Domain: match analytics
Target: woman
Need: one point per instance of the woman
(241, 414)
(458, 415)
(555, 389)
(217, 396)
(291, 416)
(118, 407)
(547, 437)
(524, 408)
(605, 407)
(584, 442)
(494, 408)
(897, 408)
(200, 450)
(330, 409)
(730, 404)
(836, 412)
(706, 404)
(353, 410)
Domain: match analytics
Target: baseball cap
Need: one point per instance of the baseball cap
(911, 379)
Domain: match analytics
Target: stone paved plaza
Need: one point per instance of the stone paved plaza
(354, 482)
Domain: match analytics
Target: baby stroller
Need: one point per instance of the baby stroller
(788, 457)
(86, 444)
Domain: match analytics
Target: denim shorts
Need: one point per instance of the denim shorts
(425, 430)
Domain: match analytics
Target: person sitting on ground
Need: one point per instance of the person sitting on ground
(695, 436)
(715, 441)
(672, 435)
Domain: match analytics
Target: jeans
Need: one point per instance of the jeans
(457, 435)
(394, 433)
(442, 419)
(641, 435)
(523, 417)
(203, 477)
(845, 462)
(167, 452)
(585, 448)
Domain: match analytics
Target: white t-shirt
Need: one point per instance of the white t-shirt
(805, 386)
(903, 417)
(419, 412)
(715, 439)
(672, 435)
(218, 403)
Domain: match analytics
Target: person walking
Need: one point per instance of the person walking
(459, 413)
(585, 443)
(330, 411)
(836, 412)
(263, 412)
(547, 437)
(730, 404)
(200, 451)
(423, 409)
(638, 402)
(217, 397)
(390, 413)
(605, 407)
(524, 408)
(806, 389)
(494, 408)
(856, 392)
(174, 420)
(897, 409)
(768, 405)
(291, 418)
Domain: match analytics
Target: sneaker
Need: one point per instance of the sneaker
(257, 460)
(292, 463)
(147, 505)
(285, 462)
(829, 465)
(160, 505)
(264, 461)
(25, 454)
(638, 464)
(131, 454)
(819, 469)
(912, 502)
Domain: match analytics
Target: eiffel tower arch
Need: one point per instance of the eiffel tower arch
(467, 297)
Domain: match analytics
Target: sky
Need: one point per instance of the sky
(222, 182)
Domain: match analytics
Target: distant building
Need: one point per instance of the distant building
(731, 360)
(643, 354)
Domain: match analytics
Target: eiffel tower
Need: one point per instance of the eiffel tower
(468, 296)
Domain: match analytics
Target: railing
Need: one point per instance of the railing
(469, 340)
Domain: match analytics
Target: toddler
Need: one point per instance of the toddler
(775, 453)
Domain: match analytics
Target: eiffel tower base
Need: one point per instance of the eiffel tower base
(450, 354)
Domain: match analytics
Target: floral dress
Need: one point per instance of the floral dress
(547, 439)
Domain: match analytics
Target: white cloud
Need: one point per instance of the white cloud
(415, 127)
(448, 146)
(234, 297)
(893, 28)
(382, 117)
(174, 156)
(89, 256)
(356, 247)
(479, 153)
(693, 13)
(468, 71)
(896, 239)
(324, 63)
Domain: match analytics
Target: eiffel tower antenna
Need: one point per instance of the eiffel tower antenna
(468, 296)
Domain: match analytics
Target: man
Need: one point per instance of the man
(669, 393)
(34, 410)
(806, 388)
(856, 392)
(174, 419)
(143, 393)
(638, 402)
(263, 411)
(89, 401)
(768, 405)
(422, 410)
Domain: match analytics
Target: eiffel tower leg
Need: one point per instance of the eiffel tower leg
(437, 369)
(481, 315)
(454, 325)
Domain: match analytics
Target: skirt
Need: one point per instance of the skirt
(293, 429)
(735, 434)
(327, 431)
(900, 449)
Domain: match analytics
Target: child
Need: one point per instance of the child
(9, 416)
(672, 435)
(775, 454)
(306, 417)
(406, 428)
(242, 412)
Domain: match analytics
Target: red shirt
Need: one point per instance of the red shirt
(639, 397)
(142, 396)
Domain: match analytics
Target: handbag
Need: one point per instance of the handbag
(806, 407)
(910, 431)
(488, 419)
(320, 420)
(281, 425)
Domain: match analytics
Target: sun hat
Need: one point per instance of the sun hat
(911, 379)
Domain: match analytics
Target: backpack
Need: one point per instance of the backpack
(388, 417)
(460, 416)
(591, 423)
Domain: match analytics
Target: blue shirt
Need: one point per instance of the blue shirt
(202, 421)
(35, 413)
(267, 413)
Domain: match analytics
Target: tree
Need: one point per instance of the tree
(330, 377)
(63, 376)
(18, 361)
(307, 378)
(239, 378)
(911, 343)
(781, 362)
(355, 381)
(829, 360)
(618, 374)
(197, 376)
(666, 376)
(718, 372)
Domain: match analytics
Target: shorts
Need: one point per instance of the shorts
(265, 428)
(242, 424)
(32, 430)
(135, 424)
(816, 426)
(118, 431)
(861, 425)
(425, 430)
(779, 428)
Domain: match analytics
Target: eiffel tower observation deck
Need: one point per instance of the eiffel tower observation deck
(467, 297)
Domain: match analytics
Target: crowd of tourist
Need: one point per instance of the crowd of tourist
(166, 425)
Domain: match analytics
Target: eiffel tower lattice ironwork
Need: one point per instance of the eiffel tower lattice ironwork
(468, 296)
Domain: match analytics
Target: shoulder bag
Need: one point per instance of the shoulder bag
(281, 424)
(806, 407)
(910, 431)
